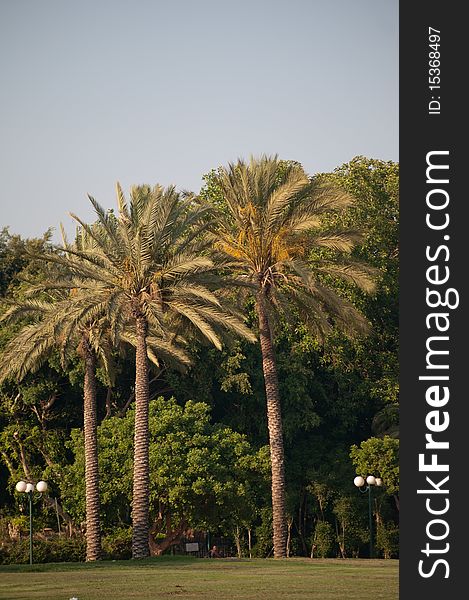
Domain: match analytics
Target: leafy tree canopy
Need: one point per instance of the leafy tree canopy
(207, 475)
(378, 457)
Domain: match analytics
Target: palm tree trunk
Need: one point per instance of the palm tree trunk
(93, 529)
(141, 480)
(274, 422)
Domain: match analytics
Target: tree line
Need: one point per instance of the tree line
(260, 313)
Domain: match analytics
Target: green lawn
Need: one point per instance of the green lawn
(200, 579)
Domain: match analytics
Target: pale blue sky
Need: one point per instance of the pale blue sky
(146, 91)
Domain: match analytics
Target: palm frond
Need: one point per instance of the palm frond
(359, 274)
(341, 241)
(281, 198)
(199, 320)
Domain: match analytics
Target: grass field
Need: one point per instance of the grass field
(175, 578)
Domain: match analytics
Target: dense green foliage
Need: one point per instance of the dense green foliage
(379, 456)
(203, 474)
(208, 460)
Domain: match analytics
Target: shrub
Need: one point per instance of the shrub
(387, 539)
(13, 527)
(295, 547)
(323, 539)
(263, 535)
(118, 544)
(44, 551)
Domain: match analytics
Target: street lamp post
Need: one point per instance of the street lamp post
(28, 488)
(371, 480)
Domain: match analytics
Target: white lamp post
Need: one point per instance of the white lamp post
(28, 488)
(370, 481)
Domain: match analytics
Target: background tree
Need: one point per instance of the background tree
(15, 258)
(380, 457)
(203, 476)
(368, 369)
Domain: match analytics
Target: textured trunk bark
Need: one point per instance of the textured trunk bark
(93, 528)
(141, 475)
(274, 421)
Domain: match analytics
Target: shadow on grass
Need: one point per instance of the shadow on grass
(176, 562)
(101, 564)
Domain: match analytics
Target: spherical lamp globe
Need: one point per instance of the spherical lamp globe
(21, 486)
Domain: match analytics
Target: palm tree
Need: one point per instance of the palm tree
(151, 261)
(270, 219)
(67, 324)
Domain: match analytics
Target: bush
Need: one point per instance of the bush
(118, 544)
(323, 539)
(295, 547)
(263, 535)
(44, 551)
(13, 527)
(387, 540)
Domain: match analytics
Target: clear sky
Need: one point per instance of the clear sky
(151, 91)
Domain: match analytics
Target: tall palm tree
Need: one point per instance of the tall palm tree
(270, 220)
(151, 262)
